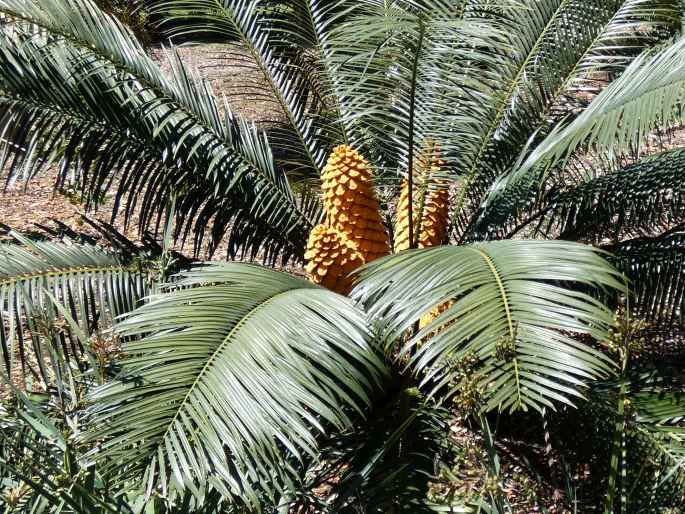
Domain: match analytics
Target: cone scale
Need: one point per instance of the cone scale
(354, 233)
(351, 204)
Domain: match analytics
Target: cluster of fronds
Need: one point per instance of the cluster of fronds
(233, 375)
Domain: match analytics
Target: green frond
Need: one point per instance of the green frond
(631, 27)
(563, 49)
(93, 287)
(648, 455)
(84, 25)
(237, 371)
(634, 201)
(659, 406)
(507, 334)
(157, 139)
(664, 446)
(655, 268)
(302, 31)
(521, 79)
(645, 97)
(402, 69)
(637, 200)
(301, 139)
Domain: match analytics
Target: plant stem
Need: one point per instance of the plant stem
(412, 109)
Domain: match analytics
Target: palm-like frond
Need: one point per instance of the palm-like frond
(90, 99)
(655, 268)
(92, 286)
(644, 97)
(232, 381)
(405, 68)
(659, 406)
(637, 200)
(510, 317)
(563, 49)
(303, 29)
(300, 140)
(245, 386)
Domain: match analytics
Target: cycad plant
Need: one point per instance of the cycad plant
(505, 151)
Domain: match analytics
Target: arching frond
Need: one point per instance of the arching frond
(637, 200)
(91, 285)
(284, 84)
(303, 32)
(634, 201)
(231, 382)
(508, 329)
(655, 268)
(646, 96)
(64, 101)
(564, 51)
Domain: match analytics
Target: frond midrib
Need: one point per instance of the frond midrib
(576, 68)
(93, 49)
(546, 111)
(65, 271)
(263, 68)
(565, 84)
(413, 232)
(325, 64)
(507, 309)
